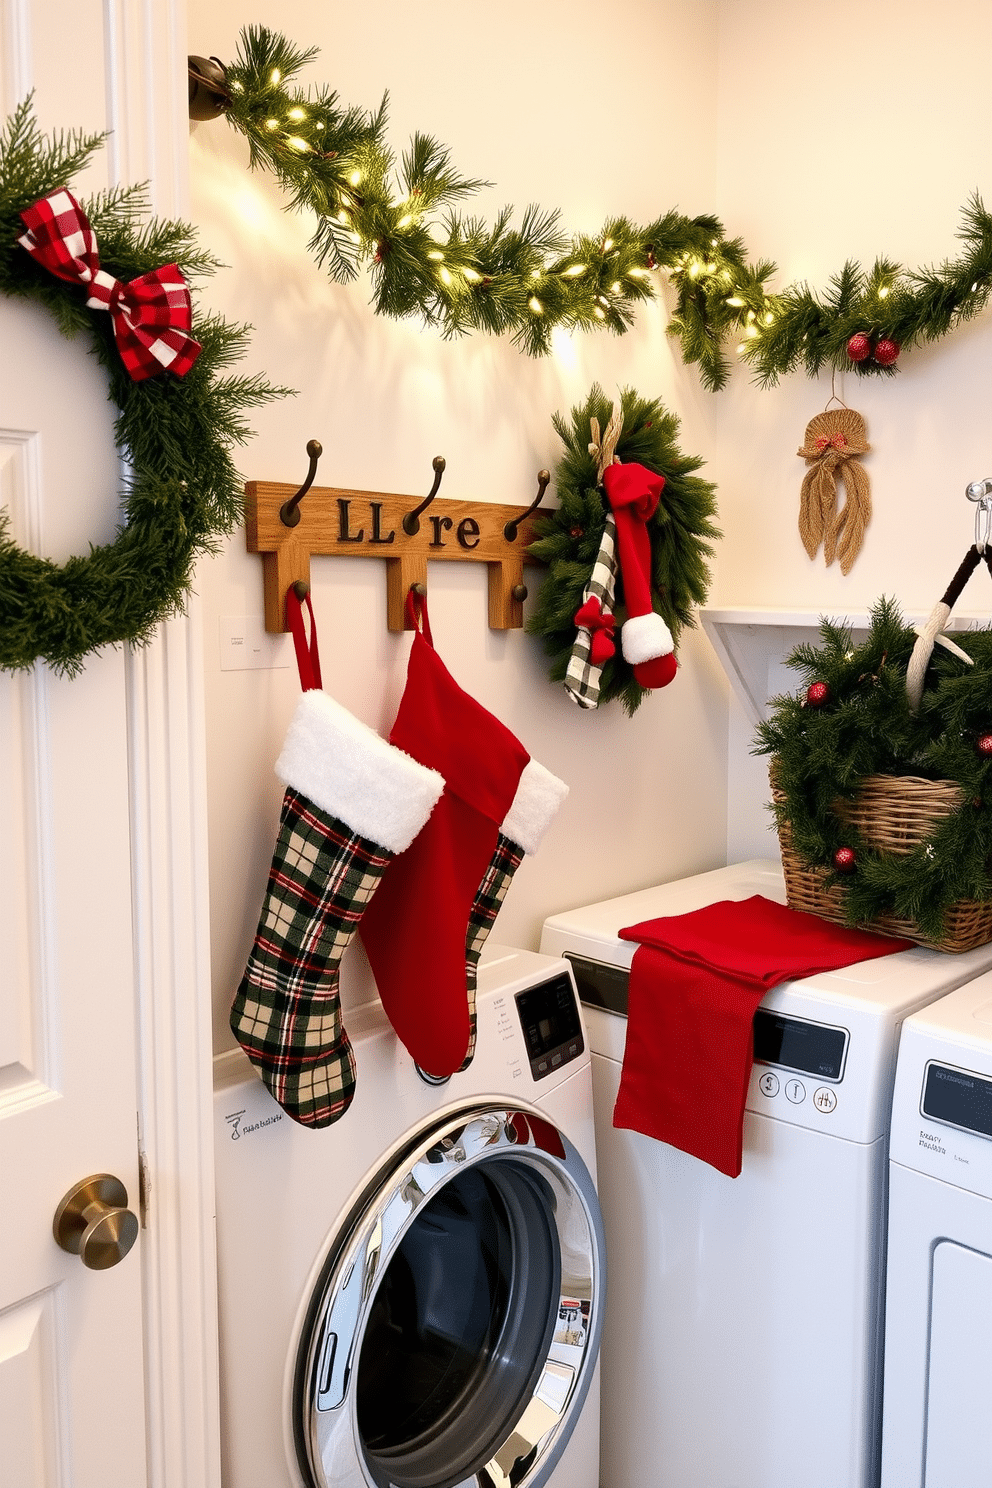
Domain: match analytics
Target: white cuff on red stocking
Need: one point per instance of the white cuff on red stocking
(534, 807)
(643, 637)
(343, 766)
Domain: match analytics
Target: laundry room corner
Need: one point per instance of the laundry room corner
(646, 794)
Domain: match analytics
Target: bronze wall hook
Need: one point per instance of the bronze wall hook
(411, 522)
(208, 95)
(289, 512)
(511, 528)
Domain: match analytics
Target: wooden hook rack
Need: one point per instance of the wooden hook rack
(377, 524)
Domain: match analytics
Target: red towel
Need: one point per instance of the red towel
(695, 983)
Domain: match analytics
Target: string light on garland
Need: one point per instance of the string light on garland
(329, 157)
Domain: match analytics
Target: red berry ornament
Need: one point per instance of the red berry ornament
(859, 347)
(886, 352)
(984, 745)
(817, 694)
(845, 860)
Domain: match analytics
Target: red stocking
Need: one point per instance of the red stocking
(415, 928)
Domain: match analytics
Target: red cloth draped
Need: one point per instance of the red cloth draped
(695, 983)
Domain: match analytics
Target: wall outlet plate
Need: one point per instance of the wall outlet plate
(245, 645)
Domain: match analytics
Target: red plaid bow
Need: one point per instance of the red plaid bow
(600, 623)
(836, 441)
(151, 314)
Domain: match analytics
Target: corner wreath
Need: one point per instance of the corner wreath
(852, 721)
(572, 539)
(174, 428)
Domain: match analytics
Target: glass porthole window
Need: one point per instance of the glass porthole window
(453, 1332)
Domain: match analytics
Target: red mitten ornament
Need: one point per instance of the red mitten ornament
(646, 641)
(416, 930)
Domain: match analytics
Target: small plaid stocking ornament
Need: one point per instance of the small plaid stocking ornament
(593, 645)
(352, 802)
(539, 795)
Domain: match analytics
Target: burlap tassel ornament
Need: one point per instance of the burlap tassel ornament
(834, 440)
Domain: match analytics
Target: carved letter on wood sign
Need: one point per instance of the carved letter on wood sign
(377, 536)
(468, 527)
(439, 523)
(343, 534)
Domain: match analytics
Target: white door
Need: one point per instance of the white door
(97, 1367)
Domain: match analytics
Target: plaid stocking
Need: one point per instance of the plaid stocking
(536, 803)
(352, 802)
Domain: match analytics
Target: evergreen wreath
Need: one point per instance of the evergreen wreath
(569, 537)
(462, 274)
(182, 492)
(851, 719)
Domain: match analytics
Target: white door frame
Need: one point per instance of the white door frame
(167, 789)
(169, 877)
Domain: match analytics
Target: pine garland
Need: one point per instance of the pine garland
(458, 272)
(569, 537)
(182, 492)
(822, 754)
(462, 274)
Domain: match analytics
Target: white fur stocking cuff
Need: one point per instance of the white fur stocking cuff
(344, 767)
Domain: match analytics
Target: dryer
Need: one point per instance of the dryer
(413, 1297)
(743, 1339)
(938, 1374)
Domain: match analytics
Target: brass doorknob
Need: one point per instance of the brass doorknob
(94, 1222)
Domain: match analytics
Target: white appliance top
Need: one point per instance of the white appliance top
(866, 1002)
(891, 984)
(942, 1106)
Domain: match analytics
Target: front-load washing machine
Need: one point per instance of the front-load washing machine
(413, 1297)
(938, 1320)
(742, 1344)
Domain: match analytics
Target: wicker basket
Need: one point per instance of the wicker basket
(893, 813)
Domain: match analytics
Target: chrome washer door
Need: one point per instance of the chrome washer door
(453, 1333)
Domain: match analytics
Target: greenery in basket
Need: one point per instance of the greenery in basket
(851, 719)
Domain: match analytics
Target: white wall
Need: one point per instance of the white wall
(851, 130)
(594, 111)
(817, 132)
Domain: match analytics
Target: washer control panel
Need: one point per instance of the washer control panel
(957, 1097)
(806, 1055)
(814, 1049)
(552, 1027)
